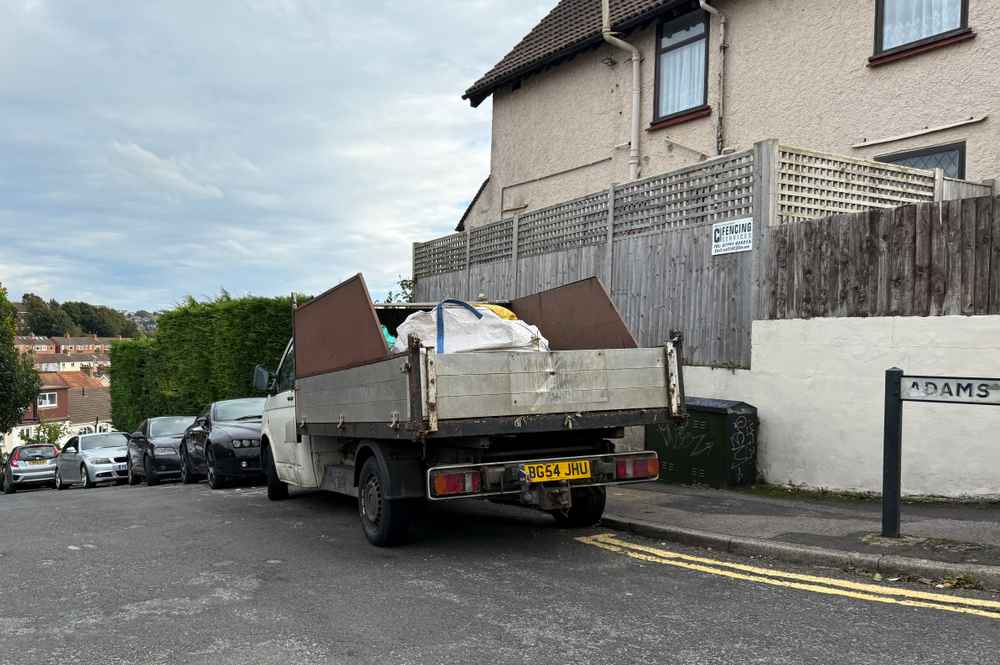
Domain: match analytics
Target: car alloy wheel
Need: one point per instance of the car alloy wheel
(132, 480)
(187, 476)
(60, 485)
(85, 478)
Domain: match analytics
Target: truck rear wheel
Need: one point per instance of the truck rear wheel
(384, 521)
(587, 508)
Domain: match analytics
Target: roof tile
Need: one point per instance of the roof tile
(571, 27)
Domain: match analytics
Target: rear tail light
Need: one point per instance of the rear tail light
(637, 468)
(15, 457)
(450, 483)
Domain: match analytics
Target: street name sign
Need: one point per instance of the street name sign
(735, 235)
(958, 390)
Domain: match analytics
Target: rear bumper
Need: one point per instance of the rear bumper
(508, 478)
(31, 477)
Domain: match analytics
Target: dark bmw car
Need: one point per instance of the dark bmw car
(223, 443)
(153, 453)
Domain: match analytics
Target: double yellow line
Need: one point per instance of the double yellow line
(826, 585)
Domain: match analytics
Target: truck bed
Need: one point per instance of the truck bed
(424, 394)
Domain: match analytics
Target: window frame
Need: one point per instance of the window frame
(658, 52)
(287, 360)
(53, 405)
(926, 151)
(879, 51)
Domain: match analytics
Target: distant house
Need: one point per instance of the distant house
(94, 364)
(91, 344)
(723, 75)
(34, 344)
(80, 401)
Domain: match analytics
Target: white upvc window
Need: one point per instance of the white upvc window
(47, 401)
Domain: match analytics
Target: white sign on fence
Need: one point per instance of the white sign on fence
(950, 389)
(736, 235)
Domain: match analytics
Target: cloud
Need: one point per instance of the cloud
(155, 150)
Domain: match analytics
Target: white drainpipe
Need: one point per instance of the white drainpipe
(609, 37)
(720, 137)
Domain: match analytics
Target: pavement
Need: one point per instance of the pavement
(940, 541)
(182, 574)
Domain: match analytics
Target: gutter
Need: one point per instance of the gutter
(610, 38)
(720, 137)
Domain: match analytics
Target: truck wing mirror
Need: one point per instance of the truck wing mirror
(262, 379)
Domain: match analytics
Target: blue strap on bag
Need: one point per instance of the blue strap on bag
(439, 312)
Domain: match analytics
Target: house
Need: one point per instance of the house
(34, 344)
(79, 401)
(92, 364)
(892, 80)
(91, 344)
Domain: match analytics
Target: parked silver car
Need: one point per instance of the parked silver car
(28, 466)
(89, 459)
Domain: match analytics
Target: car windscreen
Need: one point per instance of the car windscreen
(239, 409)
(37, 452)
(169, 426)
(113, 440)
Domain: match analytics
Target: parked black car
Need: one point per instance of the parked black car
(153, 449)
(223, 443)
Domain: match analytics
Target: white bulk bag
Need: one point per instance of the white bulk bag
(467, 328)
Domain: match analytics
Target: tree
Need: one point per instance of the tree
(47, 318)
(19, 382)
(405, 293)
(49, 432)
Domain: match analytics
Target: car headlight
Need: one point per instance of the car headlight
(164, 452)
(99, 460)
(246, 443)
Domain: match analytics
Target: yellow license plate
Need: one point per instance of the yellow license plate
(543, 472)
(37, 461)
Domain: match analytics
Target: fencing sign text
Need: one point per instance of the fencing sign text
(733, 236)
(949, 389)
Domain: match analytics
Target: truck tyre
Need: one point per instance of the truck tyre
(276, 490)
(587, 508)
(385, 522)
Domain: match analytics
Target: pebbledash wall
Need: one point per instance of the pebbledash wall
(795, 70)
(819, 385)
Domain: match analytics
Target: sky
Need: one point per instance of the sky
(158, 149)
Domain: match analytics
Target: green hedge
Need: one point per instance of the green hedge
(202, 352)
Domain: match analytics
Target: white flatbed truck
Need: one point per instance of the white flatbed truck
(533, 428)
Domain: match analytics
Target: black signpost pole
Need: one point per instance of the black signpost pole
(891, 453)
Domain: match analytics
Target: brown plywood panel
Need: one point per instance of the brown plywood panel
(337, 329)
(576, 316)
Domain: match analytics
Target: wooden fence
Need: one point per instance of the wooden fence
(929, 259)
(650, 242)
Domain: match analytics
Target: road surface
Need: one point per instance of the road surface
(183, 574)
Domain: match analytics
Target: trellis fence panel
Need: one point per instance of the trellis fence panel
(649, 242)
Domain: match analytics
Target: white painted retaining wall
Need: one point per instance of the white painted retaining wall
(818, 385)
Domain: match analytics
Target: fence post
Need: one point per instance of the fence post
(413, 270)
(468, 265)
(765, 213)
(609, 250)
(513, 257)
(892, 448)
(939, 184)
